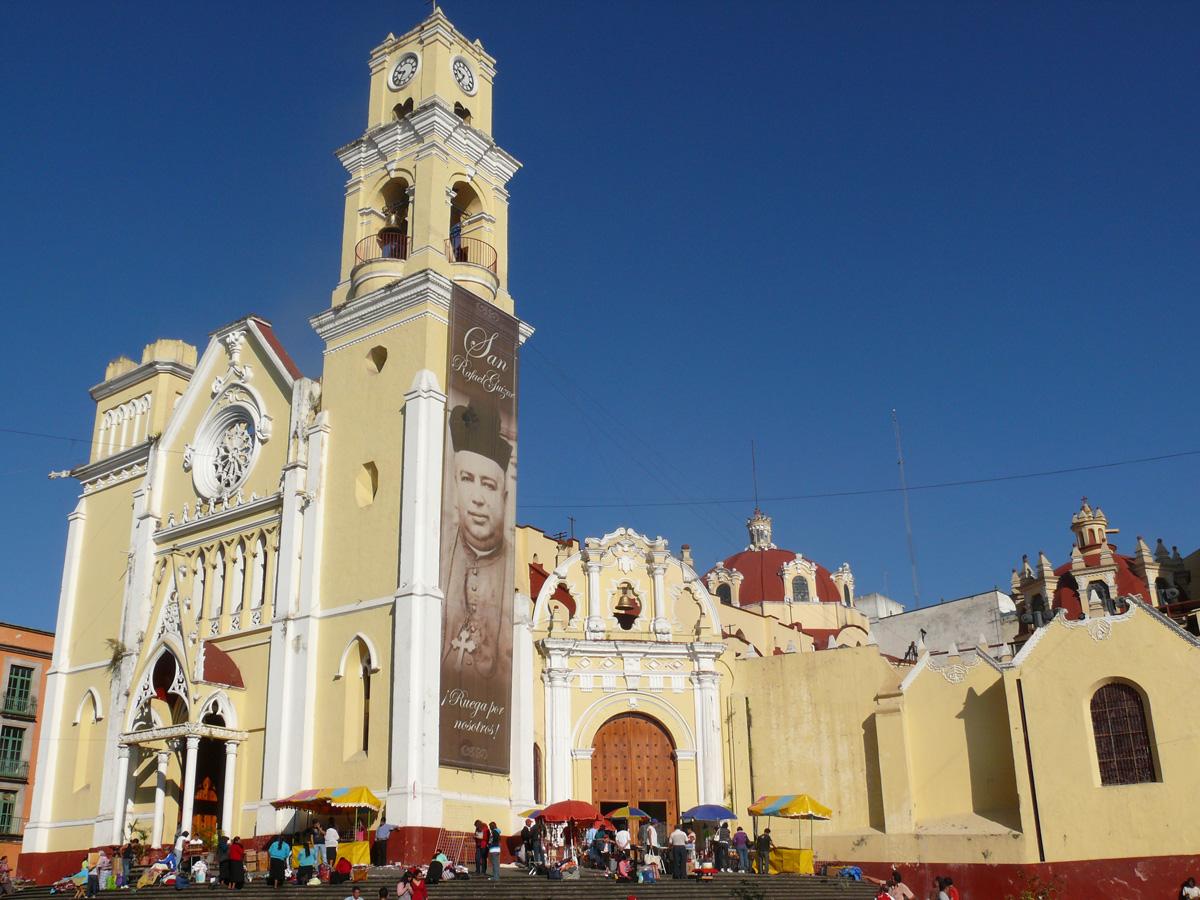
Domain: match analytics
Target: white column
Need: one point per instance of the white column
(37, 834)
(521, 734)
(160, 798)
(593, 626)
(231, 749)
(660, 626)
(413, 797)
(189, 782)
(710, 771)
(118, 832)
(558, 731)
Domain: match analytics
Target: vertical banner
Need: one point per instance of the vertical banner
(479, 501)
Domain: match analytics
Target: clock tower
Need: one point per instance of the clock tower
(424, 232)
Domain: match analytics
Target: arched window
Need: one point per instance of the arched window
(725, 594)
(846, 594)
(366, 704)
(1122, 736)
(800, 589)
(357, 668)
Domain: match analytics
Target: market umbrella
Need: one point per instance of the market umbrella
(792, 806)
(628, 812)
(565, 810)
(531, 813)
(709, 812)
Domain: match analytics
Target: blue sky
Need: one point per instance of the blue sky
(770, 221)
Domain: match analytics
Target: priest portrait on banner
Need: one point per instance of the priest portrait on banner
(475, 562)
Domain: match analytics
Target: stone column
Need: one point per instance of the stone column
(231, 749)
(118, 832)
(413, 797)
(189, 781)
(160, 798)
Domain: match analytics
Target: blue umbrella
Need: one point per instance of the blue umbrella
(709, 812)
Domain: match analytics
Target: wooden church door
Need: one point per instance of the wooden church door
(633, 761)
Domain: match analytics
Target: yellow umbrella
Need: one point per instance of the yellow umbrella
(791, 806)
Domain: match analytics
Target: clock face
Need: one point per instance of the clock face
(463, 75)
(405, 69)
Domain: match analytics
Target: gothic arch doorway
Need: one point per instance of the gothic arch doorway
(633, 761)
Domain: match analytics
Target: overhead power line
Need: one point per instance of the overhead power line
(866, 492)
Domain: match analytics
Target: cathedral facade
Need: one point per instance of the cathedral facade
(275, 582)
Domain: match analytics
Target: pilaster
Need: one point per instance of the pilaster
(556, 678)
(413, 797)
(521, 734)
(288, 740)
(135, 614)
(894, 768)
(41, 807)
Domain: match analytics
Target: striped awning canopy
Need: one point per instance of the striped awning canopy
(327, 799)
(790, 806)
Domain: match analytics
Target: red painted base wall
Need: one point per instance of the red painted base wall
(410, 845)
(1133, 878)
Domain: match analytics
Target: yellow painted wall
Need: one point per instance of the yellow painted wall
(961, 753)
(1081, 818)
(102, 573)
(366, 413)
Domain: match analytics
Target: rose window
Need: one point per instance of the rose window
(233, 454)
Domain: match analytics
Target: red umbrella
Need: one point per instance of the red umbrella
(566, 810)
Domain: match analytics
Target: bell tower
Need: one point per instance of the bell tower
(426, 213)
(427, 186)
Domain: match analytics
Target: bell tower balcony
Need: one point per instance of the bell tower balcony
(378, 260)
(473, 264)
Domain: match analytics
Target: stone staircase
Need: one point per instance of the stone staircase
(514, 884)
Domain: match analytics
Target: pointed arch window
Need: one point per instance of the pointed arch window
(1122, 734)
(217, 589)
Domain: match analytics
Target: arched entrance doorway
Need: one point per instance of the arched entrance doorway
(633, 761)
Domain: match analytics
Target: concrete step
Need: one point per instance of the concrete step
(515, 884)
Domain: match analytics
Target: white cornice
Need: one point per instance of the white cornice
(425, 286)
(114, 469)
(431, 124)
(140, 374)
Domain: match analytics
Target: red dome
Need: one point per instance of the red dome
(761, 578)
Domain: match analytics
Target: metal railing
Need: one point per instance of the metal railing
(14, 769)
(19, 705)
(385, 245)
(471, 250)
(11, 826)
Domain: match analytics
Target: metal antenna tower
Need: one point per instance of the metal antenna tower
(912, 553)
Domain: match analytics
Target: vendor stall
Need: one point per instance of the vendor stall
(792, 806)
(337, 803)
